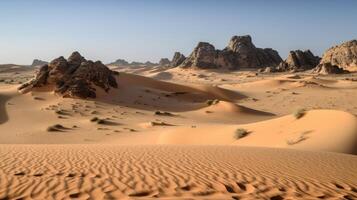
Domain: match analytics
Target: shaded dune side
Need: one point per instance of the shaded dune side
(5, 95)
(150, 94)
(130, 80)
(200, 172)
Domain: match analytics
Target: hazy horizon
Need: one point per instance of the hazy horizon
(138, 31)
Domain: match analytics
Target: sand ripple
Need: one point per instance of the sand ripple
(173, 172)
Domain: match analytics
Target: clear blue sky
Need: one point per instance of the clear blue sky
(148, 30)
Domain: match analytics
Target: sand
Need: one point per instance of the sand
(177, 134)
(173, 172)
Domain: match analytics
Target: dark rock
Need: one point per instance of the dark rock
(299, 61)
(239, 53)
(75, 77)
(177, 59)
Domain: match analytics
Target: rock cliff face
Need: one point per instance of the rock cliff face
(177, 59)
(38, 63)
(75, 77)
(299, 61)
(239, 53)
(343, 56)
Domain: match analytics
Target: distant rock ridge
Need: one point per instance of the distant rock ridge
(122, 62)
(177, 59)
(75, 77)
(119, 62)
(38, 63)
(297, 60)
(240, 53)
(164, 62)
(343, 56)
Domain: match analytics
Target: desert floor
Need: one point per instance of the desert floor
(172, 134)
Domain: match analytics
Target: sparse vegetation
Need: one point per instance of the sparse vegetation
(94, 119)
(56, 127)
(61, 112)
(163, 113)
(299, 113)
(212, 102)
(301, 138)
(101, 121)
(240, 133)
(38, 98)
(160, 124)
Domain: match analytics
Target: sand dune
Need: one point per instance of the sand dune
(173, 172)
(314, 131)
(153, 94)
(177, 139)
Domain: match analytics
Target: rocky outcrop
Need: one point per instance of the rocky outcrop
(75, 77)
(177, 59)
(203, 56)
(164, 62)
(328, 68)
(299, 61)
(38, 63)
(240, 53)
(343, 56)
(119, 62)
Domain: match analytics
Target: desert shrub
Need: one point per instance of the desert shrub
(163, 113)
(56, 127)
(94, 119)
(101, 121)
(297, 140)
(212, 102)
(299, 113)
(240, 133)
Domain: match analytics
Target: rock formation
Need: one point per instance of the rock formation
(119, 62)
(299, 61)
(74, 77)
(328, 68)
(343, 56)
(38, 63)
(164, 62)
(239, 53)
(177, 59)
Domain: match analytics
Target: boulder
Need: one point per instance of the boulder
(177, 59)
(328, 68)
(344, 56)
(299, 61)
(75, 77)
(240, 53)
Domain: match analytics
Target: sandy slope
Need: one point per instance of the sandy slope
(173, 172)
(318, 130)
